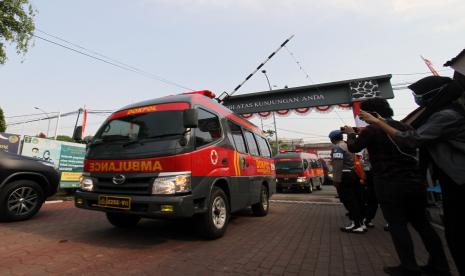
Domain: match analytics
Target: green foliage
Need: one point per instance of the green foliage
(64, 138)
(16, 25)
(2, 121)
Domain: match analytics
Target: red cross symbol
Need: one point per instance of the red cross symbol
(214, 157)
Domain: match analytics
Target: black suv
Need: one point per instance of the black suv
(25, 183)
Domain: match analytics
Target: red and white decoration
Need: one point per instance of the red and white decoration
(298, 111)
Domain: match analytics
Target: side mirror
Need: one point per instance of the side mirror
(77, 135)
(191, 118)
(305, 164)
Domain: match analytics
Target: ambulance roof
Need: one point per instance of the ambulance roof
(204, 101)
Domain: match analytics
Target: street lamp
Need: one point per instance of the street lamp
(274, 117)
(48, 118)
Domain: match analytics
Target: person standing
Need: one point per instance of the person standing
(440, 132)
(400, 189)
(370, 201)
(346, 182)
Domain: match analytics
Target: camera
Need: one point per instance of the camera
(356, 129)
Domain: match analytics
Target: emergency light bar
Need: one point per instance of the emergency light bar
(284, 151)
(206, 93)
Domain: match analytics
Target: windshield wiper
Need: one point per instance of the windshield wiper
(142, 140)
(106, 139)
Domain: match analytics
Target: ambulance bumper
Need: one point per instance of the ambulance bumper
(180, 206)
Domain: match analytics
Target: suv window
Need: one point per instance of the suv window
(253, 148)
(263, 146)
(238, 137)
(209, 129)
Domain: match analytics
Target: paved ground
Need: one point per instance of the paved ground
(300, 236)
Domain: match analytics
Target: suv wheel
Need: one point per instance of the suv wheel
(214, 222)
(20, 200)
(260, 209)
(123, 220)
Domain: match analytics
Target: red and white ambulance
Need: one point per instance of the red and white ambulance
(177, 157)
(297, 170)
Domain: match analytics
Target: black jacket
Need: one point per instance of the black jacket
(389, 161)
(443, 136)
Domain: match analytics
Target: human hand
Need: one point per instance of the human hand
(347, 129)
(369, 118)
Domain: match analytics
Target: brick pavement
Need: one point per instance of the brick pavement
(294, 239)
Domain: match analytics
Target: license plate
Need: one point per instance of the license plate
(115, 202)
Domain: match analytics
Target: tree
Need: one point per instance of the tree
(16, 26)
(2, 121)
(64, 138)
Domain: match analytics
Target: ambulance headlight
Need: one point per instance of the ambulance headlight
(86, 184)
(301, 179)
(172, 184)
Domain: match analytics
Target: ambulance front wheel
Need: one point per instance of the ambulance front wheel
(213, 223)
(310, 187)
(123, 220)
(260, 209)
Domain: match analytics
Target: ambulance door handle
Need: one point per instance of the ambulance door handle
(224, 162)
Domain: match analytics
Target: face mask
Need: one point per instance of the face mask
(419, 100)
(425, 98)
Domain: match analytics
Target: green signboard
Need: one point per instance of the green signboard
(67, 157)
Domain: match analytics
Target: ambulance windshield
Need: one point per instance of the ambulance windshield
(294, 166)
(141, 135)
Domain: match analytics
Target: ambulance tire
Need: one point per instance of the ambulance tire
(261, 208)
(212, 224)
(320, 187)
(310, 187)
(123, 220)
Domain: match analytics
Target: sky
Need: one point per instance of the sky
(214, 45)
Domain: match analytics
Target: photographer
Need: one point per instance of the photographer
(401, 191)
(440, 132)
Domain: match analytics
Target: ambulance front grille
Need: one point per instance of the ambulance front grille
(288, 180)
(132, 186)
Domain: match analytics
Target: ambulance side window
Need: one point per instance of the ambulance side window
(253, 148)
(209, 129)
(263, 146)
(237, 136)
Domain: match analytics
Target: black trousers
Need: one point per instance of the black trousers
(404, 203)
(370, 200)
(453, 196)
(350, 193)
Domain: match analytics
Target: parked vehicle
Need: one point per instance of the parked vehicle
(177, 157)
(25, 183)
(298, 171)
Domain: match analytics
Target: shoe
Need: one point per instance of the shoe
(400, 271)
(386, 227)
(369, 224)
(348, 227)
(358, 230)
(365, 228)
(431, 270)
